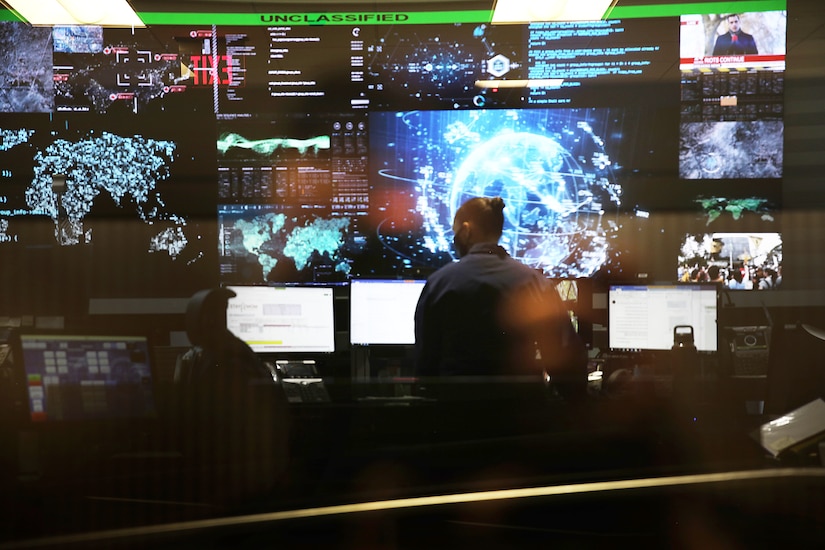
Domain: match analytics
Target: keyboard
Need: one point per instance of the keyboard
(305, 390)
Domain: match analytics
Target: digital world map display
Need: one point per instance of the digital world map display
(200, 155)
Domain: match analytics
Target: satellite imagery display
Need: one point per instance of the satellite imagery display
(78, 39)
(26, 84)
(731, 149)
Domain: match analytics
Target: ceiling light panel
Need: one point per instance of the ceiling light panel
(48, 13)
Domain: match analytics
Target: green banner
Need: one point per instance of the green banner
(328, 18)
(8, 15)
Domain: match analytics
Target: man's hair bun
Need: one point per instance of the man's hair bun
(497, 204)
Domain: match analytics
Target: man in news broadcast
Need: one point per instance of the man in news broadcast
(735, 41)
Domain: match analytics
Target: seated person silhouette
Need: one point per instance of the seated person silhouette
(232, 416)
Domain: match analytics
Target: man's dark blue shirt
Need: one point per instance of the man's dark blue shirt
(460, 322)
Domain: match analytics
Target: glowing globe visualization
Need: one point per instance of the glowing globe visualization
(552, 169)
(541, 184)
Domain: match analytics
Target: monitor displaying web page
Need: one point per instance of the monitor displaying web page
(382, 311)
(283, 319)
(643, 317)
(83, 377)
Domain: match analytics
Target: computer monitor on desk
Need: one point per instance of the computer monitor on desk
(382, 333)
(642, 317)
(283, 320)
(289, 327)
(382, 311)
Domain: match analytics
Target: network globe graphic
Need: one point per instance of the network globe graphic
(552, 167)
(543, 188)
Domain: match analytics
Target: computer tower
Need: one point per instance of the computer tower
(749, 350)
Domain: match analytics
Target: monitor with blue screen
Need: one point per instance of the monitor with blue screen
(87, 377)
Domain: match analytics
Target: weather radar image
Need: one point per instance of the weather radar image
(553, 168)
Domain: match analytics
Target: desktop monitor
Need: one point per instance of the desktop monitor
(643, 317)
(291, 319)
(87, 377)
(382, 311)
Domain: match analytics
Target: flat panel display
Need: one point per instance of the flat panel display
(738, 261)
(733, 82)
(643, 317)
(383, 311)
(73, 377)
(283, 319)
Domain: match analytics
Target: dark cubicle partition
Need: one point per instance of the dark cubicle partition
(796, 373)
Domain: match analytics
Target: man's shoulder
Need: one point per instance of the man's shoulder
(528, 271)
(439, 277)
(745, 37)
(442, 272)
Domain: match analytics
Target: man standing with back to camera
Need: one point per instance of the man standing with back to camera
(735, 41)
(489, 314)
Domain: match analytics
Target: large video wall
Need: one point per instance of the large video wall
(318, 148)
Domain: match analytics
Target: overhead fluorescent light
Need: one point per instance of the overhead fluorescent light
(48, 13)
(532, 11)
